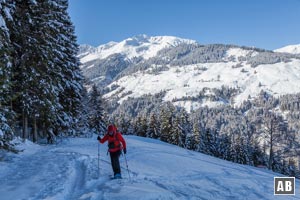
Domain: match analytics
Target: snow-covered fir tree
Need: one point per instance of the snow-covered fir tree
(72, 81)
(97, 115)
(176, 132)
(83, 124)
(45, 79)
(6, 132)
(193, 138)
(153, 127)
(185, 126)
(165, 117)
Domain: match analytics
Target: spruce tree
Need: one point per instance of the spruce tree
(176, 132)
(84, 114)
(25, 58)
(165, 124)
(193, 138)
(71, 77)
(153, 127)
(6, 132)
(97, 115)
(185, 126)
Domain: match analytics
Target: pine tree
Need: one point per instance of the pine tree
(153, 127)
(71, 85)
(274, 130)
(190, 142)
(144, 126)
(165, 118)
(185, 126)
(176, 132)
(122, 123)
(224, 147)
(84, 114)
(193, 138)
(6, 132)
(48, 81)
(239, 151)
(25, 58)
(97, 115)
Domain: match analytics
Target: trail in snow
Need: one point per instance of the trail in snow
(158, 171)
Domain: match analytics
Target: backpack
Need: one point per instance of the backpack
(114, 144)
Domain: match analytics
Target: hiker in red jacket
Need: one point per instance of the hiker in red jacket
(116, 144)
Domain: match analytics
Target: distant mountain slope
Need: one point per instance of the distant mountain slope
(190, 74)
(158, 171)
(294, 49)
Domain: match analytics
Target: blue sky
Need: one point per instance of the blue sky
(268, 24)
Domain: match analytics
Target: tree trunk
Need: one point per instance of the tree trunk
(25, 125)
(271, 147)
(34, 130)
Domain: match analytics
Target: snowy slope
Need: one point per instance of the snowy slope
(180, 81)
(140, 45)
(294, 49)
(158, 171)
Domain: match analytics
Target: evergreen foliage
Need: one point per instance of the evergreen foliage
(97, 117)
(41, 83)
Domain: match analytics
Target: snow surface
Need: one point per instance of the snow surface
(157, 170)
(294, 49)
(141, 45)
(181, 81)
(239, 52)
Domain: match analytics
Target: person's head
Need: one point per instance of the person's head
(111, 130)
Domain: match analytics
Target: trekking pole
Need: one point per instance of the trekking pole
(98, 159)
(127, 167)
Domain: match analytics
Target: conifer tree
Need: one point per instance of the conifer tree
(25, 58)
(153, 127)
(193, 138)
(97, 115)
(185, 126)
(165, 124)
(72, 79)
(6, 114)
(84, 114)
(176, 132)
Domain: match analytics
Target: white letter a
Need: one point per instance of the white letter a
(280, 186)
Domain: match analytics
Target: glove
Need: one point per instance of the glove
(125, 151)
(98, 138)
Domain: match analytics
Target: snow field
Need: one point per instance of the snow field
(278, 79)
(158, 171)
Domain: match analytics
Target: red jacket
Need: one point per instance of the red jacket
(116, 142)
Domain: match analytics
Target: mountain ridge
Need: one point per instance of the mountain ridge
(140, 45)
(184, 68)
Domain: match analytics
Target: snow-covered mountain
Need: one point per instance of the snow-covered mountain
(140, 45)
(294, 49)
(157, 171)
(189, 73)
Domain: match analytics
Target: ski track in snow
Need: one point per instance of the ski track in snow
(157, 170)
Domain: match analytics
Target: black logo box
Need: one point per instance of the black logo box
(282, 184)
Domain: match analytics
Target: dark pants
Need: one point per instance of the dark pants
(114, 157)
